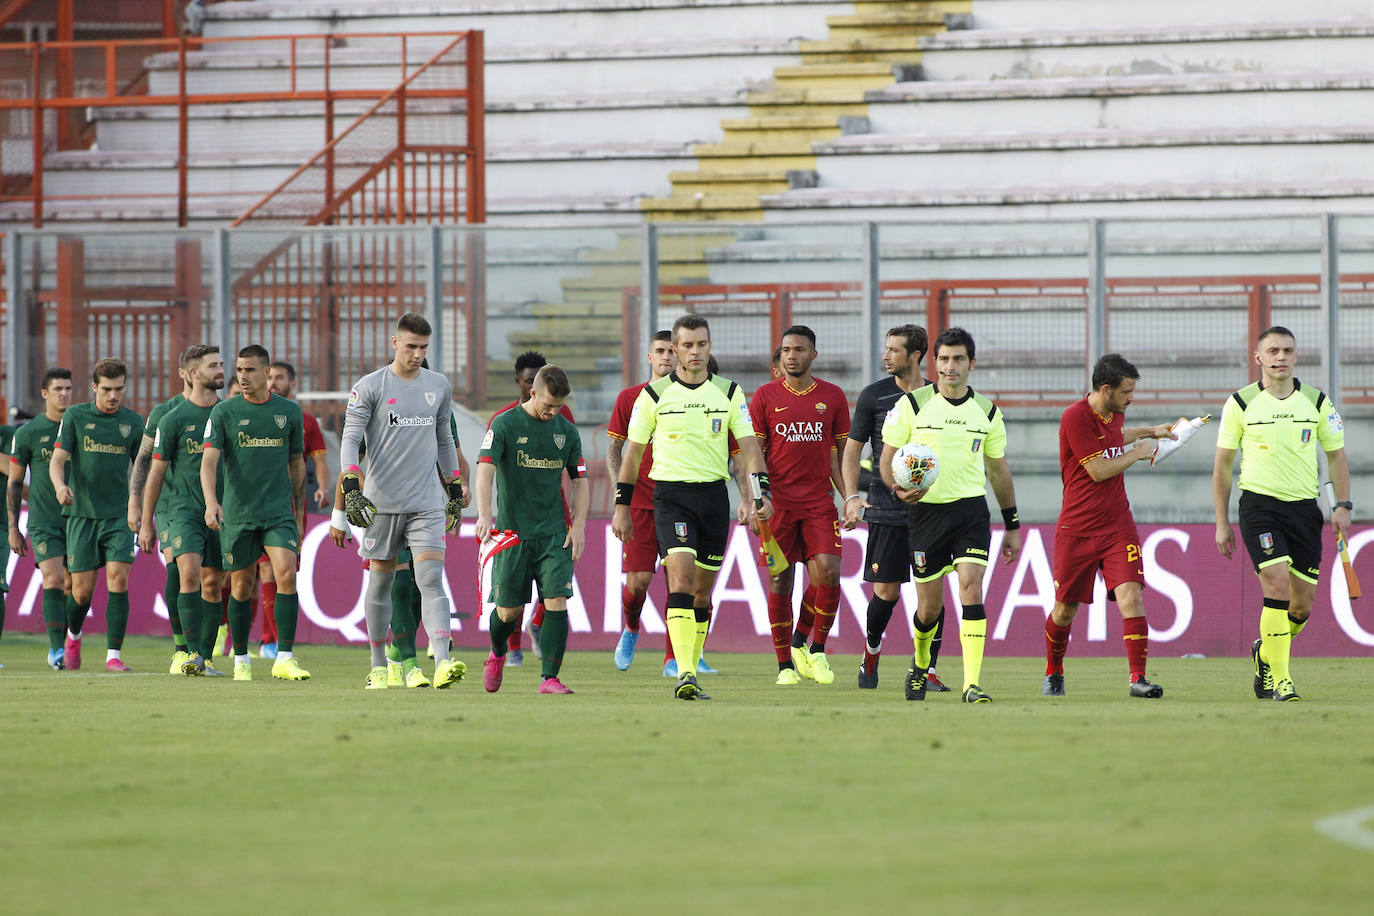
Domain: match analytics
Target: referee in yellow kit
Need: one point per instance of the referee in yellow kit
(690, 414)
(1277, 424)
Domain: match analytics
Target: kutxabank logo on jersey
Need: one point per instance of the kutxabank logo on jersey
(395, 420)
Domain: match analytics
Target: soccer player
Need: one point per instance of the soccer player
(33, 447)
(527, 451)
(1096, 531)
(404, 412)
(527, 365)
(142, 463)
(100, 440)
(178, 446)
(281, 380)
(1277, 424)
(801, 422)
(887, 560)
(950, 531)
(260, 438)
(688, 414)
(6, 451)
(640, 556)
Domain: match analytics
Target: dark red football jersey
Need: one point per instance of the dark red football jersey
(798, 431)
(1090, 507)
(618, 428)
(314, 438)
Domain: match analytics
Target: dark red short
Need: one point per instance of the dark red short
(804, 533)
(1077, 560)
(640, 553)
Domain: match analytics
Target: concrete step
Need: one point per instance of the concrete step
(988, 55)
(1189, 101)
(1094, 14)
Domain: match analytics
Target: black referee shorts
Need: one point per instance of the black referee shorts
(943, 534)
(888, 558)
(1277, 531)
(693, 518)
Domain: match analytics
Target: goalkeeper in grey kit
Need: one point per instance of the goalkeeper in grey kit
(403, 410)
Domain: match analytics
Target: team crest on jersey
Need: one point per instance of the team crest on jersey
(977, 444)
(281, 420)
(41, 548)
(370, 542)
(125, 429)
(430, 398)
(1266, 541)
(1306, 436)
(177, 542)
(820, 407)
(228, 557)
(559, 440)
(715, 426)
(680, 529)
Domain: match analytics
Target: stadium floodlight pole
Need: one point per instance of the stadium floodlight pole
(434, 297)
(872, 296)
(17, 318)
(648, 281)
(223, 295)
(1097, 297)
(1331, 306)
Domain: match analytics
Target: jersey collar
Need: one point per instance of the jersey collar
(801, 394)
(693, 385)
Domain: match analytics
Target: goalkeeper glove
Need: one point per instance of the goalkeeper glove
(357, 507)
(453, 509)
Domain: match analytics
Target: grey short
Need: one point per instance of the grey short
(388, 535)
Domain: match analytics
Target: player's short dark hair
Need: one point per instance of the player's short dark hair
(1111, 370)
(712, 367)
(56, 372)
(110, 367)
(530, 359)
(413, 322)
(194, 353)
(801, 330)
(554, 380)
(290, 370)
(777, 356)
(915, 337)
(666, 336)
(691, 323)
(954, 337)
(256, 351)
(1276, 329)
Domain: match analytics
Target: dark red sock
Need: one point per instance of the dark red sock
(780, 620)
(827, 603)
(514, 641)
(806, 617)
(537, 618)
(269, 611)
(224, 608)
(668, 655)
(1137, 639)
(1056, 644)
(631, 606)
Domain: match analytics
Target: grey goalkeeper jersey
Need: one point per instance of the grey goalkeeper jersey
(408, 431)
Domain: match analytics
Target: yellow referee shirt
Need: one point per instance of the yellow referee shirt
(962, 434)
(690, 426)
(1278, 438)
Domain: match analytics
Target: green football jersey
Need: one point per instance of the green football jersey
(530, 457)
(256, 442)
(6, 450)
(150, 430)
(180, 441)
(33, 445)
(103, 447)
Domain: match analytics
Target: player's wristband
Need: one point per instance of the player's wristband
(1346, 505)
(338, 520)
(350, 483)
(852, 496)
(762, 480)
(624, 492)
(1011, 519)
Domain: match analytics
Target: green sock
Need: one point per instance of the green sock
(405, 598)
(116, 619)
(288, 608)
(500, 632)
(189, 609)
(3, 593)
(408, 665)
(210, 614)
(922, 640)
(1295, 626)
(54, 617)
(1276, 637)
(171, 596)
(553, 641)
(240, 621)
(76, 615)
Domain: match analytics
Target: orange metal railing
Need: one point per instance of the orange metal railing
(48, 108)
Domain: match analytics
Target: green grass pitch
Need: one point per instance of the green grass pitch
(151, 793)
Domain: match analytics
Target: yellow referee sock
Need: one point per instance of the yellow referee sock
(973, 632)
(702, 627)
(923, 639)
(1276, 637)
(682, 631)
(1295, 626)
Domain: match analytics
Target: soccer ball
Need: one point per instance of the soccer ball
(915, 467)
